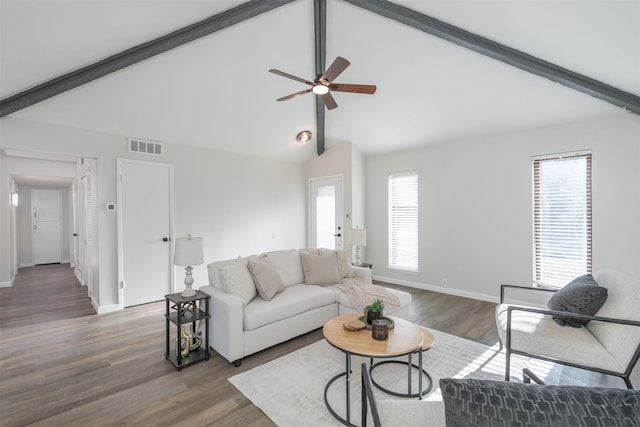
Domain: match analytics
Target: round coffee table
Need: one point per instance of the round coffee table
(405, 338)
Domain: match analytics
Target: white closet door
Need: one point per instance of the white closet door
(46, 216)
(145, 227)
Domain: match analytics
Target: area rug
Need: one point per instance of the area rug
(290, 389)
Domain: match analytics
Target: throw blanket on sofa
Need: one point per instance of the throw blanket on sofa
(361, 295)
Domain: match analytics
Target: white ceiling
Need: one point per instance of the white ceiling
(216, 92)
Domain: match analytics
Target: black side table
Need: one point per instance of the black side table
(181, 316)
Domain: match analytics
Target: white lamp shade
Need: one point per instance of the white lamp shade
(358, 237)
(189, 251)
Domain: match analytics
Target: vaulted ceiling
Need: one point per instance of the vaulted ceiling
(216, 91)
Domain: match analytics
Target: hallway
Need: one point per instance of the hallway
(42, 294)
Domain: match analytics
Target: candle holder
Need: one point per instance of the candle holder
(380, 329)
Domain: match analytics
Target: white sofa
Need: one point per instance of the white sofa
(237, 330)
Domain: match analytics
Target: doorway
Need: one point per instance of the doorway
(145, 228)
(326, 209)
(46, 221)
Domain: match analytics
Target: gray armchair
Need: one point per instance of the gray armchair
(609, 343)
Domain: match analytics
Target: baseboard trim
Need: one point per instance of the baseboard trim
(6, 284)
(28, 264)
(441, 289)
(105, 308)
(76, 272)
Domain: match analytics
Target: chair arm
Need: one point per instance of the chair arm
(527, 376)
(568, 314)
(526, 288)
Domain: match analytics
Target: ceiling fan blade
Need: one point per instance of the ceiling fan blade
(329, 101)
(344, 87)
(334, 70)
(293, 95)
(289, 76)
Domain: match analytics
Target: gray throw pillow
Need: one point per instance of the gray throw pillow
(320, 269)
(469, 402)
(266, 278)
(582, 295)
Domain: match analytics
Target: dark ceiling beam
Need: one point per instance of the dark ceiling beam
(137, 54)
(320, 20)
(501, 52)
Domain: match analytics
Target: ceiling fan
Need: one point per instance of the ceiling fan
(324, 84)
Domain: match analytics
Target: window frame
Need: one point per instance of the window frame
(542, 273)
(405, 259)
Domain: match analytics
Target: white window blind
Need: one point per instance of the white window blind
(403, 221)
(562, 218)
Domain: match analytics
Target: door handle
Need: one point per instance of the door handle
(337, 235)
(166, 239)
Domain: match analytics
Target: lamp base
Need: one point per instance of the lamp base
(188, 280)
(357, 257)
(188, 292)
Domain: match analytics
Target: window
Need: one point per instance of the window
(561, 218)
(403, 221)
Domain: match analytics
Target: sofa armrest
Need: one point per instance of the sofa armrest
(364, 273)
(226, 325)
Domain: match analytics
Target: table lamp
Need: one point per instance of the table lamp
(357, 238)
(189, 252)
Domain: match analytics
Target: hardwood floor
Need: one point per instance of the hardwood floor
(60, 364)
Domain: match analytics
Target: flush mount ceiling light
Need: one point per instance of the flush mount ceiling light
(304, 137)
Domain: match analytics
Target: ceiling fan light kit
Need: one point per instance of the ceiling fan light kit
(324, 85)
(320, 89)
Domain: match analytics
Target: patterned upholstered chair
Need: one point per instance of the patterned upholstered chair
(484, 403)
(609, 343)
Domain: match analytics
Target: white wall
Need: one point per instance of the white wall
(236, 203)
(476, 205)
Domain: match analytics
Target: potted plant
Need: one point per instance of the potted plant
(374, 311)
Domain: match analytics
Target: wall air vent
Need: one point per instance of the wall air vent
(145, 147)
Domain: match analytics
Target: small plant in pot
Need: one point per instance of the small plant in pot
(374, 311)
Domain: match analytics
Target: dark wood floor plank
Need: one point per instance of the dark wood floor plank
(64, 365)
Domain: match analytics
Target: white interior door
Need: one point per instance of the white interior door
(46, 214)
(145, 228)
(326, 208)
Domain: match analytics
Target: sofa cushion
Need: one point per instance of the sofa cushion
(344, 264)
(582, 296)
(320, 269)
(343, 299)
(295, 300)
(309, 251)
(470, 402)
(538, 334)
(287, 264)
(236, 280)
(266, 279)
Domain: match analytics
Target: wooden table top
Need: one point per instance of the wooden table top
(404, 338)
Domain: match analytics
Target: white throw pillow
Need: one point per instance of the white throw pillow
(344, 264)
(320, 269)
(266, 278)
(236, 280)
(287, 264)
